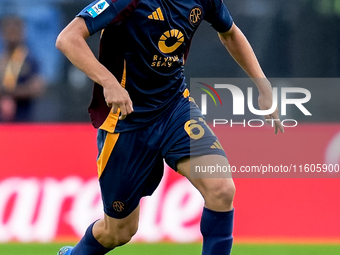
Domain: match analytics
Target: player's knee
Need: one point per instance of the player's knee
(120, 236)
(125, 236)
(221, 193)
(225, 193)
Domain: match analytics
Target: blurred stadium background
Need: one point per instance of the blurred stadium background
(48, 187)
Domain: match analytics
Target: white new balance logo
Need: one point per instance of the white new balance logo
(157, 15)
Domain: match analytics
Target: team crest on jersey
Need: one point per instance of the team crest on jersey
(195, 15)
(97, 8)
(118, 206)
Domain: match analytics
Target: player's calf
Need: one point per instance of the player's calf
(217, 217)
(217, 229)
(106, 234)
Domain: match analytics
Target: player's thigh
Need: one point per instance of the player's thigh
(193, 143)
(218, 192)
(189, 135)
(130, 167)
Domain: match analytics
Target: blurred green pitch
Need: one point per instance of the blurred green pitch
(179, 249)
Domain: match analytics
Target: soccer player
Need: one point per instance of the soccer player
(143, 112)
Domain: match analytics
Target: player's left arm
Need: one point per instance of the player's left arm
(239, 48)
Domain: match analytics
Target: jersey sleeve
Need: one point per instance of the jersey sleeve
(101, 13)
(218, 16)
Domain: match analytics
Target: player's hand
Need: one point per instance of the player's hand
(265, 103)
(118, 98)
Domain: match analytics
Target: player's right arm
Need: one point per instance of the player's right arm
(72, 43)
(239, 48)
